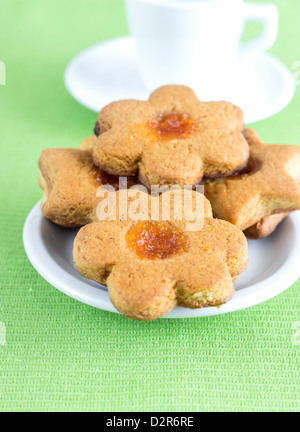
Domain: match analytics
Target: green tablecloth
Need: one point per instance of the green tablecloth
(62, 355)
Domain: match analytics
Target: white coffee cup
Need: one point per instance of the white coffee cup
(192, 41)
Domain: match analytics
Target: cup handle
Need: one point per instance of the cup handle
(268, 15)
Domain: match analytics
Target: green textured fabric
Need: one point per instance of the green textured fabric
(62, 355)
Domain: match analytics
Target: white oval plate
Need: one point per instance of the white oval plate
(273, 266)
(261, 86)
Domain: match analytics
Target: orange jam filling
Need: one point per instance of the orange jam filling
(101, 178)
(173, 125)
(156, 240)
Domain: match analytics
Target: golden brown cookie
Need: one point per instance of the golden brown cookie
(268, 186)
(70, 182)
(173, 138)
(265, 226)
(88, 144)
(152, 266)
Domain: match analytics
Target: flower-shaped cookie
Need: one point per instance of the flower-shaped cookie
(173, 138)
(152, 266)
(70, 182)
(268, 186)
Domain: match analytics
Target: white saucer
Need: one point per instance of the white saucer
(273, 266)
(108, 72)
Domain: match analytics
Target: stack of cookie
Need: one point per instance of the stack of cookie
(151, 265)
